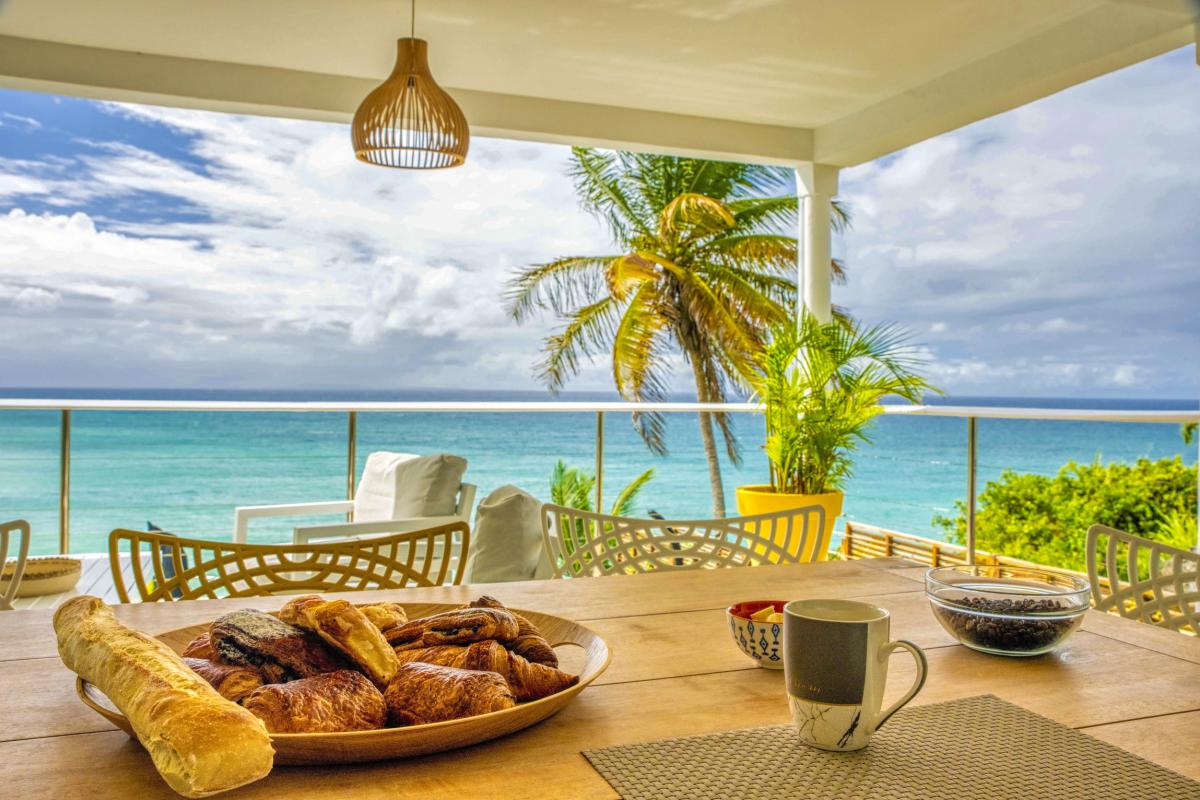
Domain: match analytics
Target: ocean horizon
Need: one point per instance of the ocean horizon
(186, 471)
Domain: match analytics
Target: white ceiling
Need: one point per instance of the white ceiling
(876, 73)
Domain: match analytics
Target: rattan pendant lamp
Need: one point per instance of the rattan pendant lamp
(408, 121)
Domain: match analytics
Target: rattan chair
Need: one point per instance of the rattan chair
(586, 544)
(9, 531)
(1144, 580)
(164, 567)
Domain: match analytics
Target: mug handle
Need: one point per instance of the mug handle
(922, 667)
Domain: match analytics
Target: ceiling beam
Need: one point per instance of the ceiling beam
(242, 88)
(1100, 41)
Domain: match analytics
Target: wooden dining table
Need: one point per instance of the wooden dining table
(675, 671)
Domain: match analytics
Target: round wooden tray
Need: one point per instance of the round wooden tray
(346, 748)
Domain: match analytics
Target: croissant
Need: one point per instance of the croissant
(280, 651)
(461, 626)
(530, 643)
(384, 615)
(347, 628)
(232, 683)
(422, 693)
(200, 647)
(528, 681)
(333, 701)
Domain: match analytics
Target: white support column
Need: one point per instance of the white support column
(816, 184)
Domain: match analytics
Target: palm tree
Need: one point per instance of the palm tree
(704, 267)
(572, 487)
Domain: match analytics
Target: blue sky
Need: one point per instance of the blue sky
(1051, 250)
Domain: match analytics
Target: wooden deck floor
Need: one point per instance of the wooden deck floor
(96, 579)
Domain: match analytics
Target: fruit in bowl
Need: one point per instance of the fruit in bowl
(757, 628)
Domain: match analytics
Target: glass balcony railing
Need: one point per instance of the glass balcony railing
(78, 468)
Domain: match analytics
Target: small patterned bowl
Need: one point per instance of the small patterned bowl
(762, 641)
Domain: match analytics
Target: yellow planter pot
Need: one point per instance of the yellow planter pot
(753, 500)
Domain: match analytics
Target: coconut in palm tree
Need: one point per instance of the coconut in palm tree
(704, 266)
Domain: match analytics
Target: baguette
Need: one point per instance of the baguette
(200, 743)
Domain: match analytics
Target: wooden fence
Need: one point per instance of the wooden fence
(868, 541)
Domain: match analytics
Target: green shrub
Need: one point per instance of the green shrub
(1045, 519)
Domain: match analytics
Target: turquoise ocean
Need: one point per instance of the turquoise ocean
(186, 471)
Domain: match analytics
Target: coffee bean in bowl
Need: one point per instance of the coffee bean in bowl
(1012, 611)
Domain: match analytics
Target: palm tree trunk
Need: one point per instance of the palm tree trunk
(706, 436)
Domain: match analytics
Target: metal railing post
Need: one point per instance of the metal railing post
(64, 482)
(971, 424)
(351, 452)
(600, 462)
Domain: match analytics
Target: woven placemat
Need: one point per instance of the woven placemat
(977, 747)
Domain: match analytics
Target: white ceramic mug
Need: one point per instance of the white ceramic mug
(835, 661)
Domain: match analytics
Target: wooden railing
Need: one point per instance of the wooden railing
(869, 541)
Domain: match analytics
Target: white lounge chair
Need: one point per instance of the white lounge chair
(16, 534)
(398, 493)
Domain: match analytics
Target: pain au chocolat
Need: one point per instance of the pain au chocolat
(529, 644)
(231, 682)
(460, 626)
(280, 651)
(527, 680)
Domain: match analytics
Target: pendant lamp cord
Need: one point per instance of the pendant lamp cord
(412, 22)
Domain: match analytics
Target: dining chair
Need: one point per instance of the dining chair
(159, 566)
(585, 544)
(9, 533)
(1144, 580)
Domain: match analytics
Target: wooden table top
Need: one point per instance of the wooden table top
(675, 672)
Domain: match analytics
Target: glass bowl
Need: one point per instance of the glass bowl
(1007, 610)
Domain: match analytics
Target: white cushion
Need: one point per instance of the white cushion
(506, 543)
(403, 485)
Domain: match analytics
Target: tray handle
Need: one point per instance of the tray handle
(94, 699)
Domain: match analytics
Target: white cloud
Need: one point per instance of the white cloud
(1047, 250)
(19, 121)
(1125, 375)
(294, 253)
(1057, 242)
(1052, 325)
(29, 298)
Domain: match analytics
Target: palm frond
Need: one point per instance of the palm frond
(629, 272)
(600, 177)
(761, 301)
(588, 332)
(622, 506)
(692, 216)
(716, 318)
(571, 487)
(639, 358)
(773, 252)
(765, 214)
(558, 285)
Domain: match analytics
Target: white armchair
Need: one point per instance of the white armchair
(398, 493)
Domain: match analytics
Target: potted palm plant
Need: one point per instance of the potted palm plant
(819, 387)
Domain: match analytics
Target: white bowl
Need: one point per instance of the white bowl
(761, 641)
